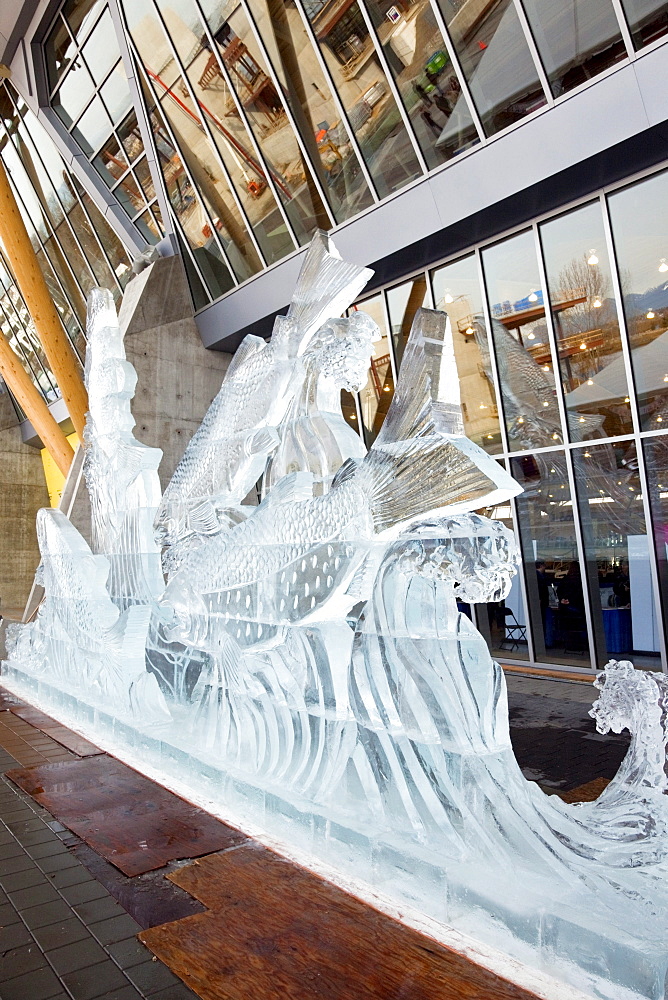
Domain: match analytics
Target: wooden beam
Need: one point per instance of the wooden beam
(28, 274)
(34, 407)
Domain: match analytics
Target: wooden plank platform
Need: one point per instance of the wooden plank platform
(127, 818)
(275, 931)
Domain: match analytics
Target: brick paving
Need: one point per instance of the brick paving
(63, 936)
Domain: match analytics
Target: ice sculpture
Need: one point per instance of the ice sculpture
(305, 660)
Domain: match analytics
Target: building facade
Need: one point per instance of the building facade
(503, 160)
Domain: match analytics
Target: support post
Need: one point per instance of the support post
(34, 407)
(27, 272)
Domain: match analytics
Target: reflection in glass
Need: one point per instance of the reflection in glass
(349, 409)
(116, 94)
(426, 79)
(73, 94)
(617, 552)
(202, 158)
(403, 301)
(639, 217)
(584, 316)
(495, 59)
(519, 332)
(129, 195)
(576, 40)
(232, 73)
(111, 162)
(648, 19)
(656, 465)
(309, 98)
(101, 48)
(550, 558)
(93, 127)
(350, 55)
(457, 292)
(375, 397)
(504, 624)
(59, 50)
(81, 15)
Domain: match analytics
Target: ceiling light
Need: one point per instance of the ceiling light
(592, 259)
(583, 346)
(597, 303)
(587, 455)
(626, 399)
(468, 330)
(546, 403)
(590, 381)
(533, 297)
(448, 297)
(546, 368)
(650, 314)
(386, 388)
(582, 420)
(489, 437)
(531, 336)
(482, 407)
(555, 437)
(663, 267)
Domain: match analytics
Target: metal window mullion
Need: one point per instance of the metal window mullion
(308, 162)
(55, 272)
(43, 50)
(21, 347)
(621, 316)
(624, 29)
(209, 135)
(241, 111)
(141, 115)
(461, 76)
(179, 231)
(380, 54)
(492, 355)
(337, 100)
(47, 220)
(582, 559)
(54, 237)
(635, 413)
(528, 624)
(47, 372)
(651, 550)
(186, 170)
(533, 49)
(552, 340)
(388, 334)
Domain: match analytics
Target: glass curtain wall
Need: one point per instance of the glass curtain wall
(562, 378)
(286, 115)
(90, 94)
(75, 246)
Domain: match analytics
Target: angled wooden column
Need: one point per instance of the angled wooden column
(27, 272)
(34, 407)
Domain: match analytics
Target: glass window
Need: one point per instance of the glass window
(457, 292)
(656, 464)
(129, 195)
(376, 395)
(519, 331)
(616, 551)
(233, 73)
(93, 127)
(130, 137)
(310, 100)
(584, 316)
(639, 217)
(73, 94)
(143, 175)
(403, 301)
(504, 624)
(550, 558)
(60, 50)
(350, 55)
(101, 48)
(111, 162)
(116, 94)
(147, 225)
(495, 59)
(648, 19)
(246, 172)
(81, 15)
(576, 40)
(426, 80)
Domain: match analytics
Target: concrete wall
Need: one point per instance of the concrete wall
(22, 492)
(176, 377)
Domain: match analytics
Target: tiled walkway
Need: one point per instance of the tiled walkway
(62, 935)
